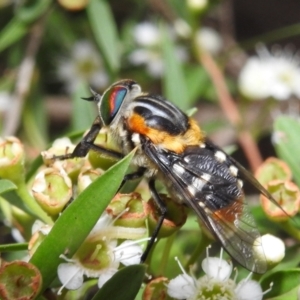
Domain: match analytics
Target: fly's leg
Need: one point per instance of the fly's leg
(163, 210)
(132, 176)
(87, 144)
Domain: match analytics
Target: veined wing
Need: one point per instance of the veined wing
(207, 181)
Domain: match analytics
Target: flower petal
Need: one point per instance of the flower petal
(249, 290)
(182, 287)
(217, 268)
(70, 275)
(128, 253)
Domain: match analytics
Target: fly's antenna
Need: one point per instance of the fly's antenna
(96, 97)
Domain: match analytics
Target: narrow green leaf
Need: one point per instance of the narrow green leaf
(73, 226)
(12, 32)
(124, 285)
(197, 82)
(83, 113)
(13, 247)
(105, 31)
(32, 11)
(174, 85)
(287, 143)
(6, 186)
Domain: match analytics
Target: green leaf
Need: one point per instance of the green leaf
(198, 82)
(6, 186)
(83, 113)
(124, 285)
(292, 294)
(287, 143)
(13, 247)
(105, 31)
(174, 84)
(12, 32)
(35, 9)
(75, 223)
(283, 282)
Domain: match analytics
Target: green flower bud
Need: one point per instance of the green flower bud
(19, 280)
(40, 231)
(86, 177)
(130, 208)
(175, 218)
(197, 5)
(71, 166)
(273, 168)
(99, 161)
(52, 189)
(12, 159)
(287, 194)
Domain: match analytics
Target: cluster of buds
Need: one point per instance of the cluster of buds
(116, 236)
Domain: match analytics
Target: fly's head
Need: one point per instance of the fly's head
(114, 101)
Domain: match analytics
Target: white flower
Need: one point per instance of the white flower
(85, 64)
(275, 74)
(147, 36)
(215, 284)
(99, 256)
(209, 40)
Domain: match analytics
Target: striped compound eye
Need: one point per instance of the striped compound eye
(111, 102)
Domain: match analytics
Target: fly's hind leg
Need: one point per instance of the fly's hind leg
(163, 211)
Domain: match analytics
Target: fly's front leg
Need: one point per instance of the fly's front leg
(132, 176)
(87, 144)
(163, 210)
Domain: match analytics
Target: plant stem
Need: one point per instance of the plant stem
(166, 254)
(203, 242)
(230, 109)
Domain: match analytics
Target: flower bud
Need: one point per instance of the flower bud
(12, 159)
(19, 280)
(100, 161)
(52, 189)
(273, 168)
(39, 233)
(130, 208)
(197, 5)
(175, 218)
(287, 195)
(61, 147)
(156, 289)
(73, 5)
(86, 177)
(273, 249)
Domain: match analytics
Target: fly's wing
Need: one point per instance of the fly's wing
(206, 181)
(248, 176)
